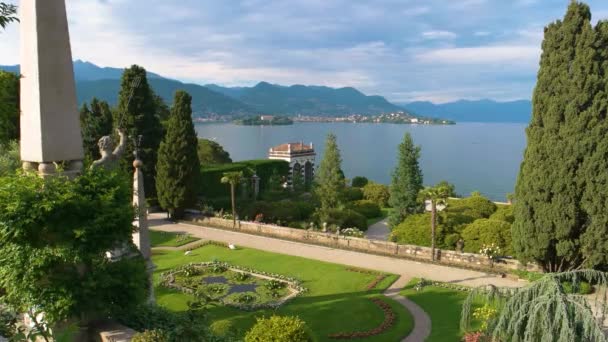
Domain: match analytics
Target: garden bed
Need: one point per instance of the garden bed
(234, 286)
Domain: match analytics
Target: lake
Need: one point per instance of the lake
(481, 157)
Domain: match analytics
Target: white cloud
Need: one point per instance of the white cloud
(519, 54)
(482, 33)
(438, 34)
(416, 11)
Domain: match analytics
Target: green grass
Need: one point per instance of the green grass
(443, 305)
(385, 213)
(168, 239)
(336, 302)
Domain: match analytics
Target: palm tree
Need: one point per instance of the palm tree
(437, 194)
(7, 14)
(234, 179)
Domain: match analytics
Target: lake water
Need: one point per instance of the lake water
(481, 157)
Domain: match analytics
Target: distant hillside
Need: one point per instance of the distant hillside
(308, 100)
(85, 71)
(474, 111)
(204, 101)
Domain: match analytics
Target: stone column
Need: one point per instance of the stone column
(50, 127)
(142, 237)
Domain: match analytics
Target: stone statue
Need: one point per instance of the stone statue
(110, 158)
(459, 245)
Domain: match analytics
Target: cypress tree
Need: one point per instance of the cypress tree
(594, 245)
(178, 168)
(329, 185)
(549, 219)
(406, 182)
(95, 122)
(138, 117)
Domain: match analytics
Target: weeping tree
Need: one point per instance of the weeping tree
(547, 310)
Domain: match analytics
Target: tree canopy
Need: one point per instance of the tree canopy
(95, 122)
(212, 153)
(9, 107)
(178, 168)
(329, 183)
(137, 114)
(406, 182)
(561, 202)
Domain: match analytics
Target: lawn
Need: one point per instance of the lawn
(168, 239)
(337, 300)
(443, 305)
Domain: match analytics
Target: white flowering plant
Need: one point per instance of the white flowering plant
(354, 232)
(491, 251)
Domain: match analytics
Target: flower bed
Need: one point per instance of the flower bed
(231, 285)
(372, 285)
(389, 321)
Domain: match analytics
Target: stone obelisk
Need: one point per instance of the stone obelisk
(142, 237)
(50, 128)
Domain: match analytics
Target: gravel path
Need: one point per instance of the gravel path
(378, 231)
(406, 269)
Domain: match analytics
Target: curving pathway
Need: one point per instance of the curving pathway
(378, 231)
(406, 269)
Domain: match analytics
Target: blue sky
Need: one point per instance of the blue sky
(405, 50)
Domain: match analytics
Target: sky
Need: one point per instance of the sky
(404, 50)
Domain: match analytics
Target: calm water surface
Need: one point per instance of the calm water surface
(481, 157)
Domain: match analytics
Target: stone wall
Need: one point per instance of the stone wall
(387, 248)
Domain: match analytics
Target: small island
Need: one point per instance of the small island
(264, 120)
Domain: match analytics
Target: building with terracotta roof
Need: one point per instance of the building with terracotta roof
(301, 159)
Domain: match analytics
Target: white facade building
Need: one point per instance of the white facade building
(301, 159)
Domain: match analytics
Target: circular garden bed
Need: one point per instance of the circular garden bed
(231, 285)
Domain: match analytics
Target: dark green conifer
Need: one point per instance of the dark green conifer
(137, 115)
(95, 122)
(406, 182)
(178, 168)
(549, 219)
(329, 181)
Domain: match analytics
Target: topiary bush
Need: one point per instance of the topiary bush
(278, 329)
(485, 232)
(377, 193)
(359, 182)
(475, 206)
(222, 328)
(366, 208)
(416, 230)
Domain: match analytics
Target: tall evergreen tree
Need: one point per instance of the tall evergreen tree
(549, 219)
(137, 115)
(178, 168)
(406, 182)
(95, 122)
(330, 181)
(9, 107)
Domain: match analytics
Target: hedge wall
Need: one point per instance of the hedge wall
(211, 176)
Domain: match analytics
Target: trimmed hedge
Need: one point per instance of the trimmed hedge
(366, 208)
(284, 211)
(211, 176)
(278, 329)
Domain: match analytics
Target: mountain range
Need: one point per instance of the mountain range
(265, 98)
(474, 111)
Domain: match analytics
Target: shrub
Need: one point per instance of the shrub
(341, 218)
(451, 240)
(366, 208)
(353, 194)
(359, 182)
(278, 329)
(485, 232)
(503, 213)
(222, 328)
(150, 336)
(211, 185)
(416, 230)
(284, 211)
(475, 206)
(377, 193)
